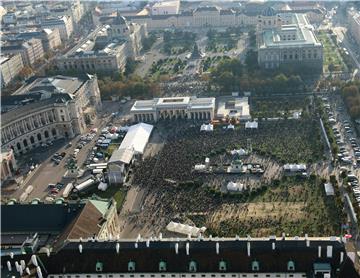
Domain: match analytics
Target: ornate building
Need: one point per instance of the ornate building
(173, 108)
(48, 109)
(288, 39)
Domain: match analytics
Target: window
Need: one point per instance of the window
(18, 146)
(142, 275)
(63, 118)
(99, 267)
(25, 143)
(46, 134)
(222, 265)
(53, 131)
(39, 136)
(163, 275)
(291, 266)
(162, 266)
(88, 276)
(192, 266)
(131, 266)
(255, 266)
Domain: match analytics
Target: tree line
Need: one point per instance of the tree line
(232, 75)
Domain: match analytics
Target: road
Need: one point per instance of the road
(48, 172)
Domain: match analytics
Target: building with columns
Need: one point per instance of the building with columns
(293, 44)
(191, 108)
(8, 164)
(48, 109)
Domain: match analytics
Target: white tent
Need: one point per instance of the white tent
(295, 167)
(185, 229)
(200, 167)
(205, 127)
(102, 186)
(329, 189)
(235, 187)
(230, 126)
(238, 152)
(253, 124)
(137, 137)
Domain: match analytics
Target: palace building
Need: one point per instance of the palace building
(192, 108)
(47, 109)
(290, 40)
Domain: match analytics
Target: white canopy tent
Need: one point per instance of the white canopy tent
(185, 229)
(205, 127)
(329, 189)
(239, 152)
(295, 167)
(137, 137)
(253, 124)
(235, 187)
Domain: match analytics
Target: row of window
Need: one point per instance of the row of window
(32, 139)
(181, 275)
(193, 266)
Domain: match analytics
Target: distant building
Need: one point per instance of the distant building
(8, 164)
(106, 49)
(10, 67)
(48, 109)
(237, 108)
(63, 23)
(50, 38)
(354, 24)
(294, 43)
(165, 7)
(191, 108)
(31, 50)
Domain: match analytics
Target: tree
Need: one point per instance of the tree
(251, 60)
(25, 72)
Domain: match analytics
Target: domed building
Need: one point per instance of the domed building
(269, 19)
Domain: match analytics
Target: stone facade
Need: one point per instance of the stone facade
(292, 44)
(43, 112)
(10, 68)
(191, 108)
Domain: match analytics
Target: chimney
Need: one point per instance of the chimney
(148, 243)
(217, 248)
(48, 252)
(136, 245)
(176, 248)
(187, 248)
(319, 251)
(22, 262)
(27, 270)
(34, 260)
(117, 247)
(11, 255)
(329, 251)
(341, 257)
(307, 240)
(17, 266)
(273, 246)
(39, 273)
(160, 236)
(248, 249)
(80, 248)
(9, 265)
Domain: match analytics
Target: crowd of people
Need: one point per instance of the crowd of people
(173, 187)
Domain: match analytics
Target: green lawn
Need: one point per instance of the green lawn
(331, 53)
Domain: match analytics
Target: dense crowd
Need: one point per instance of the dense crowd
(176, 189)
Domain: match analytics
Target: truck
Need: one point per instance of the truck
(85, 185)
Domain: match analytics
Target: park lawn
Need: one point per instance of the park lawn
(331, 53)
(294, 207)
